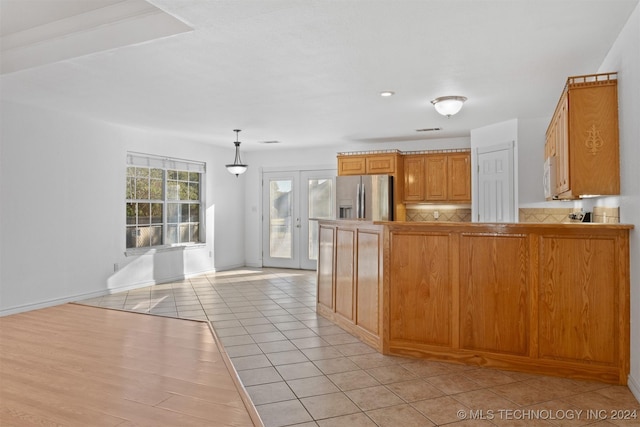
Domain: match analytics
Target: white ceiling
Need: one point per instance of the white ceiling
(309, 72)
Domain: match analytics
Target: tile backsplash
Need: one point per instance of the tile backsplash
(606, 215)
(455, 215)
(561, 215)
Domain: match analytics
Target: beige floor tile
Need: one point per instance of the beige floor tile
(521, 393)
(298, 370)
(242, 363)
(259, 376)
(270, 393)
(353, 380)
(243, 350)
(306, 387)
(489, 377)
(441, 410)
(283, 413)
(374, 360)
(353, 420)
(354, 349)
(484, 400)
(287, 357)
(310, 342)
(276, 346)
(396, 416)
(391, 374)
(453, 383)
(268, 337)
(334, 366)
(341, 338)
(329, 405)
(414, 390)
(373, 398)
(319, 353)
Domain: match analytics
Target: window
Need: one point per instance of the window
(163, 199)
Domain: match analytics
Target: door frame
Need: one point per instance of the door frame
(331, 169)
(513, 166)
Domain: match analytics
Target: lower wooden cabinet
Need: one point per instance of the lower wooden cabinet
(350, 277)
(541, 298)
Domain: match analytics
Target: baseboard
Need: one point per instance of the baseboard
(634, 386)
(96, 294)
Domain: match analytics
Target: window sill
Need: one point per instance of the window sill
(159, 249)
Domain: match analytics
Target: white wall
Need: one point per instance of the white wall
(624, 57)
(62, 182)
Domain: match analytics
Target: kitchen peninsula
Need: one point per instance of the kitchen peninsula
(540, 298)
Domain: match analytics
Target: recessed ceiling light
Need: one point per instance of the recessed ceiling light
(387, 93)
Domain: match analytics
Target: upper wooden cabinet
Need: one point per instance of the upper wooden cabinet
(583, 138)
(441, 177)
(367, 164)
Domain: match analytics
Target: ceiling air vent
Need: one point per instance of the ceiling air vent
(270, 142)
(428, 129)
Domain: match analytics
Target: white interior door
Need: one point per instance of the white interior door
(290, 199)
(496, 184)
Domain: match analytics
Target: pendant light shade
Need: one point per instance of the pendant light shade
(448, 105)
(237, 167)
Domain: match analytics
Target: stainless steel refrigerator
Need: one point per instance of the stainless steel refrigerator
(364, 197)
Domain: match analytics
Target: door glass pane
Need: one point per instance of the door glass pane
(320, 207)
(280, 231)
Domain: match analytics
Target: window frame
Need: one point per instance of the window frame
(167, 164)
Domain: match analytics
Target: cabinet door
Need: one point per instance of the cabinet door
(436, 174)
(578, 315)
(561, 130)
(594, 151)
(326, 238)
(380, 164)
(459, 185)
(414, 178)
(351, 165)
(345, 269)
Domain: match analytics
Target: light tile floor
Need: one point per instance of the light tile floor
(300, 369)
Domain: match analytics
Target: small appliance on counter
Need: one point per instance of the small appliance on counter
(367, 197)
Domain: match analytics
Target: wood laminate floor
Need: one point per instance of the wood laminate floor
(76, 365)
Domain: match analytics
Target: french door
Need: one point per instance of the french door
(291, 203)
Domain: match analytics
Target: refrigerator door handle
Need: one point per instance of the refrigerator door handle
(358, 200)
(362, 202)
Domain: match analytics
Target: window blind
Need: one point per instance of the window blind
(167, 163)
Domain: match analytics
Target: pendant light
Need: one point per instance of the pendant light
(448, 105)
(237, 167)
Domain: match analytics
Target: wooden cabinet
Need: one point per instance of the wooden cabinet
(459, 177)
(541, 298)
(369, 164)
(441, 177)
(351, 165)
(583, 137)
(414, 177)
(349, 277)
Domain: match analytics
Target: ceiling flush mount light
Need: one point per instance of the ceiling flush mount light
(237, 167)
(387, 93)
(448, 105)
